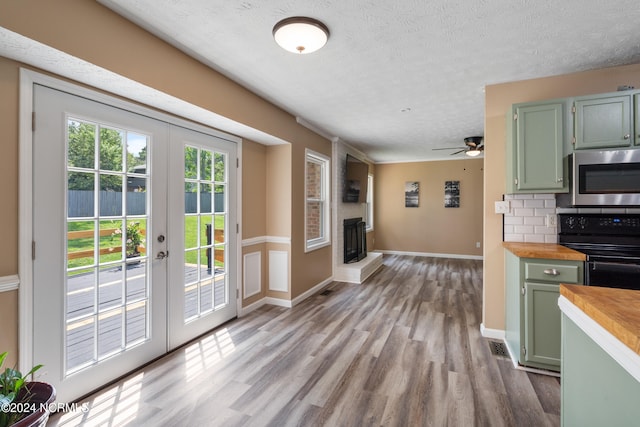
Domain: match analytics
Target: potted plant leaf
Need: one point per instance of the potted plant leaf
(23, 403)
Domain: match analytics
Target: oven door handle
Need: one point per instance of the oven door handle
(615, 267)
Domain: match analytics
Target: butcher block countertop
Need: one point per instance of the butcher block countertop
(543, 250)
(616, 310)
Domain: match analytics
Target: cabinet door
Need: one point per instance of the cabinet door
(539, 140)
(542, 323)
(602, 122)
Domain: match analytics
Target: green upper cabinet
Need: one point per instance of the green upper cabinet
(535, 162)
(603, 121)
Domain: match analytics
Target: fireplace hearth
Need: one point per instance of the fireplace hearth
(355, 240)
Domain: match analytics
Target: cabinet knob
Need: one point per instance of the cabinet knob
(551, 271)
(559, 179)
(627, 136)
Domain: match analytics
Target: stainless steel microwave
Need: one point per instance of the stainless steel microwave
(605, 178)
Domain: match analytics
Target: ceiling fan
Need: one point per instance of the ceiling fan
(474, 146)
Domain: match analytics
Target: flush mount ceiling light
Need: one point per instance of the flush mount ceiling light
(299, 34)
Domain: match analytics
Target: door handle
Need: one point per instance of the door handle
(162, 255)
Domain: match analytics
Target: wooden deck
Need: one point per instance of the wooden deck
(121, 301)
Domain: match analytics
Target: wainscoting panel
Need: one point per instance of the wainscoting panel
(252, 274)
(279, 271)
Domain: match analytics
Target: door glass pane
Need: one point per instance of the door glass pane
(80, 243)
(107, 269)
(81, 140)
(80, 194)
(205, 243)
(111, 141)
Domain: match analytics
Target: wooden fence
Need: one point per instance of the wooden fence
(85, 234)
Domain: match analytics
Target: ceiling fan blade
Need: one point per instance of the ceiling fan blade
(457, 152)
(448, 148)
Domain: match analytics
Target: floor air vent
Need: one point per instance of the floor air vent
(326, 292)
(498, 349)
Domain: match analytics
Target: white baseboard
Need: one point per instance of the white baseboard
(251, 307)
(496, 334)
(279, 302)
(317, 288)
(434, 255)
(9, 283)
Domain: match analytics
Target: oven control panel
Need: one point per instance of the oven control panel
(600, 223)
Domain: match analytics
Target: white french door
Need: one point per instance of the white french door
(133, 255)
(202, 222)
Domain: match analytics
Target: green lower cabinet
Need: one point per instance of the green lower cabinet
(596, 390)
(533, 333)
(542, 321)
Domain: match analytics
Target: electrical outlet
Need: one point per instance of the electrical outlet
(551, 220)
(477, 244)
(502, 207)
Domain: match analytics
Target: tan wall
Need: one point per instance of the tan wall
(278, 215)
(254, 189)
(89, 31)
(499, 99)
(307, 269)
(429, 228)
(254, 202)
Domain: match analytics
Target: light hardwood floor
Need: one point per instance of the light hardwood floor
(402, 349)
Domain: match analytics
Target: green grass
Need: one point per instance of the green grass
(114, 241)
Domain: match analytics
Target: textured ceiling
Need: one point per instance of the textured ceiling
(397, 78)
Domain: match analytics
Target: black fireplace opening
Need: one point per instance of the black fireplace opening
(355, 240)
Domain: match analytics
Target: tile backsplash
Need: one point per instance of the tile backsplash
(531, 218)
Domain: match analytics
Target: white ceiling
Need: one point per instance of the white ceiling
(396, 78)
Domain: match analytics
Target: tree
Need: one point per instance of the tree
(82, 153)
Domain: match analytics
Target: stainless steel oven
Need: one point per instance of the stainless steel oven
(611, 243)
(605, 178)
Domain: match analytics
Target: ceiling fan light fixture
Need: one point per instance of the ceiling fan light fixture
(300, 34)
(473, 153)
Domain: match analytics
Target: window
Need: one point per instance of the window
(317, 203)
(368, 217)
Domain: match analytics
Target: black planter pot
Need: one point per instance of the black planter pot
(40, 394)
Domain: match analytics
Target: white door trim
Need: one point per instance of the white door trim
(25, 206)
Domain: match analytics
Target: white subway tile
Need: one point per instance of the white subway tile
(524, 229)
(550, 203)
(513, 220)
(534, 203)
(544, 230)
(517, 204)
(513, 238)
(523, 212)
(534, 220)
(508, 229)
(534, 238)
(551, 238)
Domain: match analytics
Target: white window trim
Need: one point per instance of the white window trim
(368, 206)
(325, 239)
